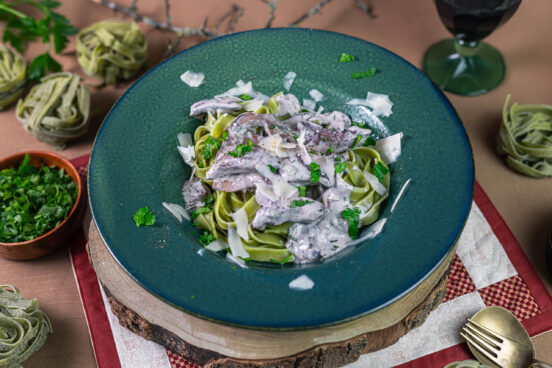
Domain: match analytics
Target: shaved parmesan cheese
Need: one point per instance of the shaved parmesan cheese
(240, 218)
(177, 211)
(309, 104)
(192, 79)
(253, 105)
(201, 251)
(243, 88)
(288, 105)
(266, 190)
(184, 139)
(371, 232)
(273, 143)
(280, 186)
(289, 78)
(403, 188)
(303, 150)
(374, 183)
(316, 95)
(357, 101)
(236, 260)
(389, 148)
(303, 282)
(187, 154)
(235, 243)
(216, 246)
(380, 104)
(320, 109)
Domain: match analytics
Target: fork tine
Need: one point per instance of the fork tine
(489, 339)
(492, 335)
(479, 340)
(477, 347)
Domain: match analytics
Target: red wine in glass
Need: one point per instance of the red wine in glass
(465, 65)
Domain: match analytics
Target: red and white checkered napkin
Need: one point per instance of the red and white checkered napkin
(489, 268)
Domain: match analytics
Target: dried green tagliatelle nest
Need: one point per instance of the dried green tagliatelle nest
(111, 50)
(13, 72)
(525, 137)
(23, 327)
(56, 110)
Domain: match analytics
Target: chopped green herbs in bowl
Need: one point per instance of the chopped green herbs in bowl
(40, 208)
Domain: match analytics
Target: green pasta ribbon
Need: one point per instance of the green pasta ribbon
(56, 110)
(466, 364)
(111, 50)
(23, 327)
(13, 71)
(525, 137)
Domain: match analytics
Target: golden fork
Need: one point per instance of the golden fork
(499, 349)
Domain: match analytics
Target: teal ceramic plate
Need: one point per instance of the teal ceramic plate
(135, 163)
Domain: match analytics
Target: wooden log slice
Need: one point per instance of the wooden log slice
(215, 345)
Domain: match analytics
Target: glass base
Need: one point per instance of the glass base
(464, 70)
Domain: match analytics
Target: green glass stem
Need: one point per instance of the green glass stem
(464, 68)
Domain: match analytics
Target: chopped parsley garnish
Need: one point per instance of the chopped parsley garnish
(369, 142)
(289, 258)
(224, 135)
(380, 171)
(208, 147)
(367, 73)
(245, 97)
(272, 168)
(241, 149)
(298, 203)
(200, 211)
(313, 152)
(360, 125)
(315, 172)
(337, 158)
(340, 166)
(206, 238)
(357, 140)
(209, 201)
(352, 216)
(144, 216)
(346, 58)
(33, 200)
(302, 190)
(295, 136)
(246, 259)
(272, 126)
(329, 150)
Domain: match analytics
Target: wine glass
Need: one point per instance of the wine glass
(464, 65)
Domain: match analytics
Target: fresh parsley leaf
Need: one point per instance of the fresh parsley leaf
(209, 201)
(289, 258)
(369, 142)
(208, 146)
(144, 216)
(315, 172)
(241, 149)
(298, 203)
(352, 216)
(41, 64)
(367, 73)
(206, 238)
(340, 166)
(346, 58)
(199, 211)
(272, 168)
(330, 150)
(245, 97)
(357, 140)
(380, 171)
(302, 190)
(225, 135)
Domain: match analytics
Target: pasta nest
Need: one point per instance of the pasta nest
(13, 71)
(111, 50)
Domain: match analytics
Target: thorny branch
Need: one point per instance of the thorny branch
(234, 14)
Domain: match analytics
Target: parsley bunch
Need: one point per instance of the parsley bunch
(20, 28)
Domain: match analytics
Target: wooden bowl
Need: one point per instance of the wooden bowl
(57, 237)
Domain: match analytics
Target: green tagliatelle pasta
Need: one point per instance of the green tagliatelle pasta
(111, 50)
(525, 137)
(12, 76)
(56, 110)
(23, 327)
(269, 245)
